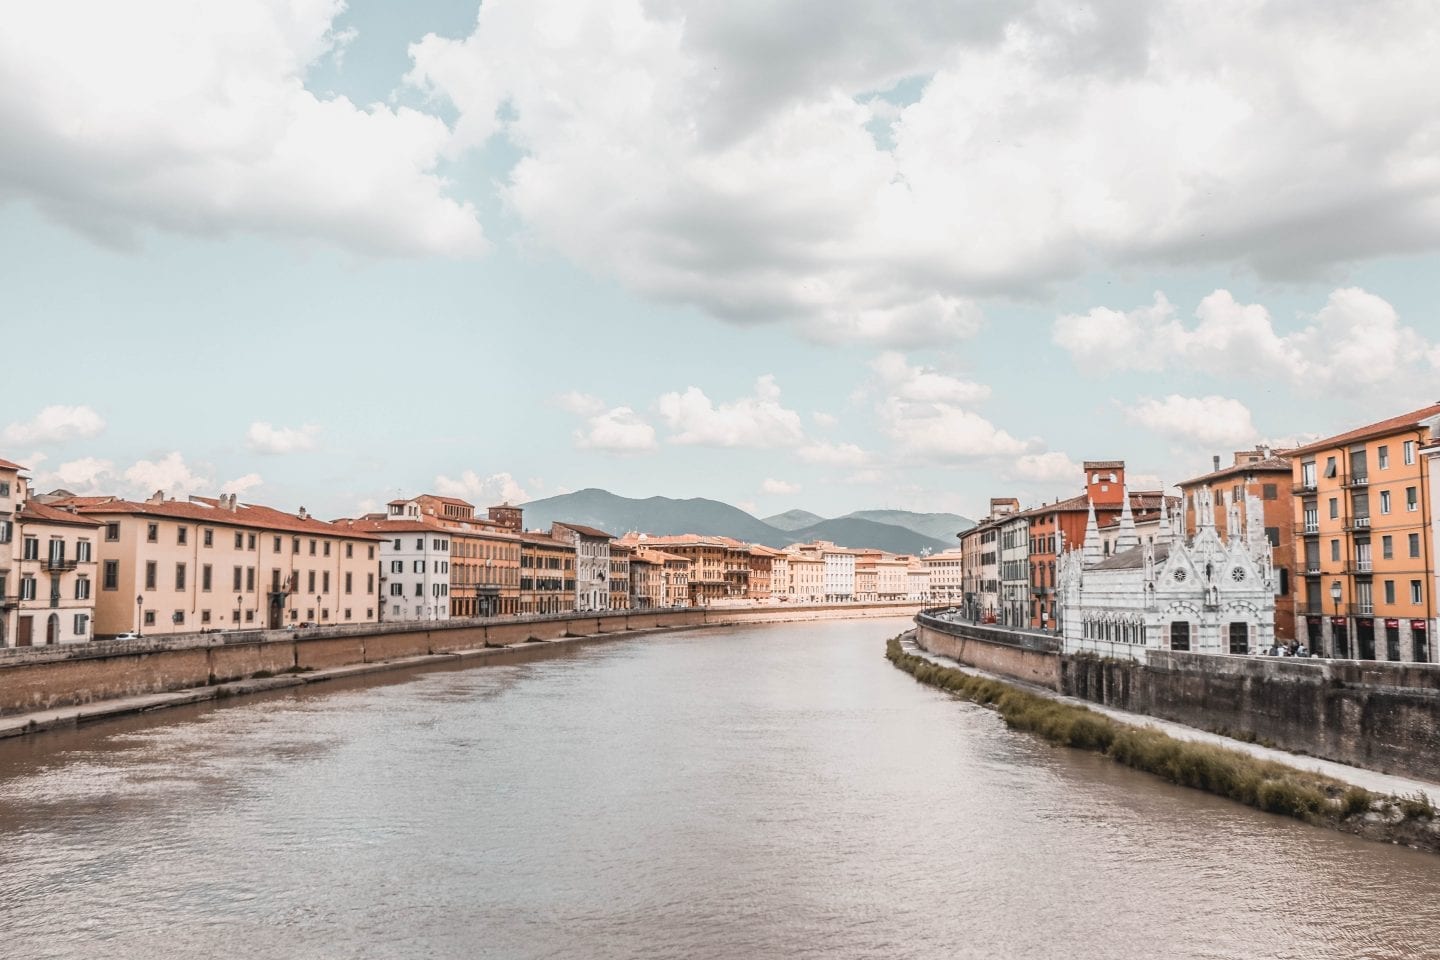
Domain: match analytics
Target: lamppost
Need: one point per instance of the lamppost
(1334, 596)
(316, 622)
(239, 602)
(139, 603)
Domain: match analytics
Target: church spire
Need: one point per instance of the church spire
(1162, 534)
(1091, 552)
(1127, 538)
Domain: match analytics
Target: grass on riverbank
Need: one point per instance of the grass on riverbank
(1263, 784)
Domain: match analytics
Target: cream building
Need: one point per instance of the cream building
(47, 568)
(946, 582)
(181, 566)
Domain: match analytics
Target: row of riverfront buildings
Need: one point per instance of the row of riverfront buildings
(1332, 545)
(74, 569)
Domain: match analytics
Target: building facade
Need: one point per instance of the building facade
(1363, 520)
(592, 564)
(1203, 594)
(945, 582)
(547, 574)
(47, 568)
(1014, 546)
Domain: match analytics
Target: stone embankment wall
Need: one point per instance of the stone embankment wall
(43, 678)
(1377, 715)
(1381, 716)
(1016, 654)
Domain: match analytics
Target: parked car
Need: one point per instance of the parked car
(127, 635)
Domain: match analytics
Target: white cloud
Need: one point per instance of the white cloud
(771, 485)
(87, 476)
(482, 491)
(242, 485)
(754, 421)
(1355, 339)
(1045, 142)
(922, 385)
(55, 424)
(1208, 421)
(170, 473)
(614, 430)
(265, 438)
(1053, 467)
(195, 118)
(943, 432)
(824, 421)
(833, 454)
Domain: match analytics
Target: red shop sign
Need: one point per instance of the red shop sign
(1390, 622)
(1417, 624)
(1339, 621)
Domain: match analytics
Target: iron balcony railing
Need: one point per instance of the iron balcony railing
(60, 564)
(1303, 488)
(1359, 567)
(1359, 480)
(1307, 529)
(1353, 524)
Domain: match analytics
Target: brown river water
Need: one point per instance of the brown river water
(756, 792)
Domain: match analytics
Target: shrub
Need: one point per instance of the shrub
(1355, 800)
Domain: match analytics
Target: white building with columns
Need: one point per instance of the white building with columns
(1205, 595)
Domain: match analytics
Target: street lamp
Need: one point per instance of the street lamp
(239, 602)
(139, 603)
(1334, 596)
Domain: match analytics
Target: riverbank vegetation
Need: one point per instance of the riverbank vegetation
(1262, 784)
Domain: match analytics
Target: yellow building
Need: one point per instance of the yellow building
(1362, 515)
(547, 574)
(182, 566)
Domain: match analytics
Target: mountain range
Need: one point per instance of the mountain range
(896, 531)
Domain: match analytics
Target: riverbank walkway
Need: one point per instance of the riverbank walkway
(1374, 781)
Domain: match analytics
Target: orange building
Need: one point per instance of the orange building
(1362, 516)
(1265, 475)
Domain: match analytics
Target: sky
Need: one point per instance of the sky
(833, 256)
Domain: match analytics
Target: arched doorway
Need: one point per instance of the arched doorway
(52, 629)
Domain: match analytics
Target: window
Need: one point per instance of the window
(111, 576)
(294, 548)
(397, 566)
(348, 580)
(206, 577)
(420, 543)
(325, 582)
(327, 548)
(1387, 547)
(82, 624)
(349, 553)
(1307, 474)
(397, 590)
(249, 616)
(1329, 467)
(239, 540)
(1389, 591)
(152, 533)
(1269, 491)
(4, 488)
(150, 574)
(347, 613)
(369, 583)
(31, 549)
(1412, 499)
(1272, 534)
(82, 551)
(250, 541)
(27, 588)
(1414, 545)
(249, 579)
(235, 580)
(310, 580)
(149, 618)
(1334, 508)
(419, 590)
(112, 532)
(1382, 456)
(178, 616)
(1409, 452)
(82, 588)
(1416, 592)
(372, 551)
(1334, 549)
(1239, 638)
(179, 576)
(182, 535)
(396, 545)
(312, 547)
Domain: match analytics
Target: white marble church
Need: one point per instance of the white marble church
(1207, 595)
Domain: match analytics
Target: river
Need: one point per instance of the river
(756, 792)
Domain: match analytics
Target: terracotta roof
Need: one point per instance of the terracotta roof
(1139, 500)
(1268, 465)
(389, 526)
(531, 536)
(7, 465)
(1104, 465)
(32, 510)
(1394, 425)
(208, 510)
(584, 531)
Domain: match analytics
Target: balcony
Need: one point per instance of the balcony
(60, 564)
(1357, 524)
(1307, 529)
(1359, 568)
(1303, 488)
(1360, 480)
(1312, 568)
(9, 603)
(1360, 609)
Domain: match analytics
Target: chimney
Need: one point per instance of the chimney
(303, 515)
(1216, 461)
(157, 497)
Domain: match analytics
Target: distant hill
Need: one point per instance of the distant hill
(937, 526)
(855, 532)
(793, 520)
(665, 516)
(658, 515)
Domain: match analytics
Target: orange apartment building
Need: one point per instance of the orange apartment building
(621, 556)
(547, 574)
(1265, 475)
(1362, 520)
